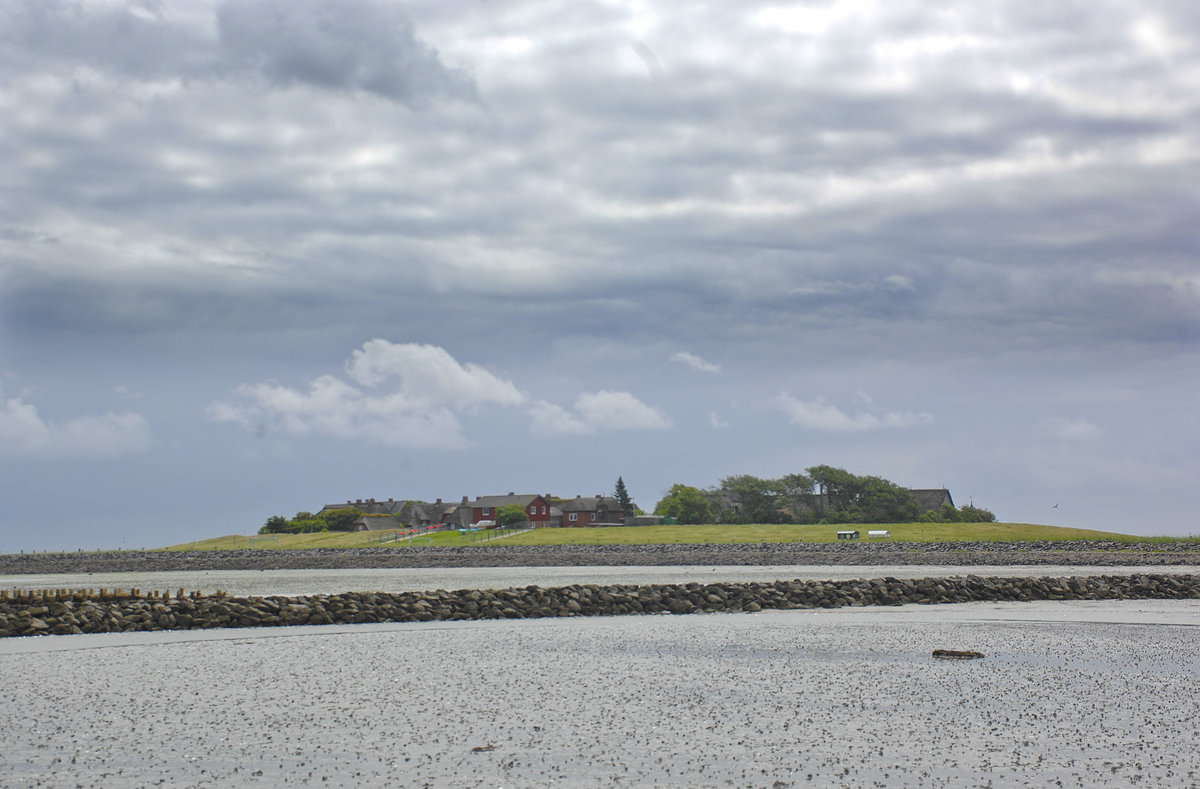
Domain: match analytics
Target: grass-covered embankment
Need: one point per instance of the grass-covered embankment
(683, 535)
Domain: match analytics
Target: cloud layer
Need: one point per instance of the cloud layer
(695, 362)
(820, 415)
(624, 217)
(25, 434)
(412, 395)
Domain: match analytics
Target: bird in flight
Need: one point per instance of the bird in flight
(1055, 506)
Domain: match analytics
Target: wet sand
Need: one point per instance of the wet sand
(310, 582)
(1086, 693)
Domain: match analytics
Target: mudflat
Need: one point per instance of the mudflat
(1082, 693)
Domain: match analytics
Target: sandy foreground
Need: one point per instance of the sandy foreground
(1082, 693)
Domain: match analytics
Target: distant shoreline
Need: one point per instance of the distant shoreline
(1094, 553)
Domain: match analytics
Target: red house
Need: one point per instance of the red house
(483, 508)
(592, 511)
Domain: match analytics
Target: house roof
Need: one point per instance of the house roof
(590, 504)
(368, 506)
(524, 499)
(378, 522)
(931, 498)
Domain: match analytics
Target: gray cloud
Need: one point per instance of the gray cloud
(26, 435)
(954, 208)
(355, 45)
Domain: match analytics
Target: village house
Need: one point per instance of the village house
(484, 508)
(595, 510)
(390, 514)
(931, 499)
(541, 509)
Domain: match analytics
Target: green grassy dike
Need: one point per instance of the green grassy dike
(657, 535)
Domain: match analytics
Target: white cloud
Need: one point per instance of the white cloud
(619, 411)
(715, 420)
(427, 387)
(411, 395)
(601, 411)
(1071, 429)
(820, 415)
(428, 374)
(332, 407)
(25, 434)
(554, 420)
(695, 362)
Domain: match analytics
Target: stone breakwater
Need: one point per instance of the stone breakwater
(67, 613)
(1092, 553)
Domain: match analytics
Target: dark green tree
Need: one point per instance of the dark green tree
(511, 515)
(686, 504)
(881, 501)
(837, 488)
(759, 500)
(276, 524)
(972, 514)
(306, 522)
(797, 498)
(342, 519)
(622, 496)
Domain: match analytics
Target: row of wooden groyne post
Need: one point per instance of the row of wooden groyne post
(79, 595)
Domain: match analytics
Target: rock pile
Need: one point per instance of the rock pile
(64, 614)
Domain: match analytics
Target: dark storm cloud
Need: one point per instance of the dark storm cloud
(354, 45)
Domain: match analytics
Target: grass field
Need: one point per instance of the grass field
(652, 535)
(325, 539)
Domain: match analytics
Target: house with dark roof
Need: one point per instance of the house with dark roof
(541, 510)
(931, 499)
(401, 513)
(485, 508)
(367, 506)
(377, 523)
(595, 510)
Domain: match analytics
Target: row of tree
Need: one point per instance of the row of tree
(304, 522)
(823, 494)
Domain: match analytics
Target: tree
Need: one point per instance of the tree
(760, 500)
(951, 514)
(881, 501)
(796, 497)
(342, 519)
(276, 524)
(836, 488)
(622, 496)
(686, 504)
(972, 514)
(511, 515)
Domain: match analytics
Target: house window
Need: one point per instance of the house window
(486, 512)
(543, 510)
(533, 510)
(574, 516)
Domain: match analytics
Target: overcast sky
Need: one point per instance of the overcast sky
(261, 255)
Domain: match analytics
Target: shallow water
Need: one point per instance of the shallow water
(301, 582)
(1085, 693)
